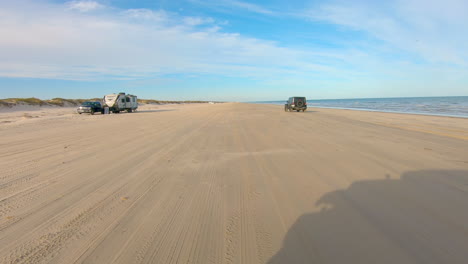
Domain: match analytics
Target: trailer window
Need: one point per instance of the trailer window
(128, 99)
(123, 100)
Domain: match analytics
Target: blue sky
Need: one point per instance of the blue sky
(233, 50)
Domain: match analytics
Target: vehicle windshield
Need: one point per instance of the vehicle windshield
(90, 104)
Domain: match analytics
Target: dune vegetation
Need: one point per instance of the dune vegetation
(10, 102)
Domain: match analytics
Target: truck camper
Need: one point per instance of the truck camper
(120, 102)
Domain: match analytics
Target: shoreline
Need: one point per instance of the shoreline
(393, 112)
(377, 111)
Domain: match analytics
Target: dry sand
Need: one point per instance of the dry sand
(233, 183)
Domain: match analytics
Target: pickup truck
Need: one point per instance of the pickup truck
(90, 107)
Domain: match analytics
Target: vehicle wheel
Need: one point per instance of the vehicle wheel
(92, 112)
(298, 110)
(129, 110)
(285, 108)
(79, 113)
(102, 112)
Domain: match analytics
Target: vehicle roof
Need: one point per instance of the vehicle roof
(115, 94)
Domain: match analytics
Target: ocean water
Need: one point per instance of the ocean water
(455, 106)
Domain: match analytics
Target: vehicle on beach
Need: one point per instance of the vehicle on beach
(120, 102)
(90, 107)
(296, 104)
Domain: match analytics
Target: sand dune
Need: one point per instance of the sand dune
(233, 183)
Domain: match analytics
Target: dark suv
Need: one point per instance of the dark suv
(90, 107)
(296, 103)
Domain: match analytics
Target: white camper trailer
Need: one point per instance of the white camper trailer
(120, 102)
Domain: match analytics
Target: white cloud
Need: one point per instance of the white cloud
(248, 6)
(84, 6)
(44, 40)
(196, 21)
(229, 5)
(50, 41)
(146, 14)
(434, 31)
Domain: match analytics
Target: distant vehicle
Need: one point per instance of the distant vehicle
(296, 104)
(120, 102)
(90, 107)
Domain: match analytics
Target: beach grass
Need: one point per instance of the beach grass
(32, 101)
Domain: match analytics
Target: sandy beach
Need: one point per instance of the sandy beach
(232, 183)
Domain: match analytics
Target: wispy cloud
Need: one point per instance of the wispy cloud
(394, 42)
(196, 21)
(231, 5)
(54, 41)
(84, 6)
(145, 15)
(247, 6)
(429, 30)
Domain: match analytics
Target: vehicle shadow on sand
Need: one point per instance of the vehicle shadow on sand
(421, 217)
(305, 112)
(153, 111)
